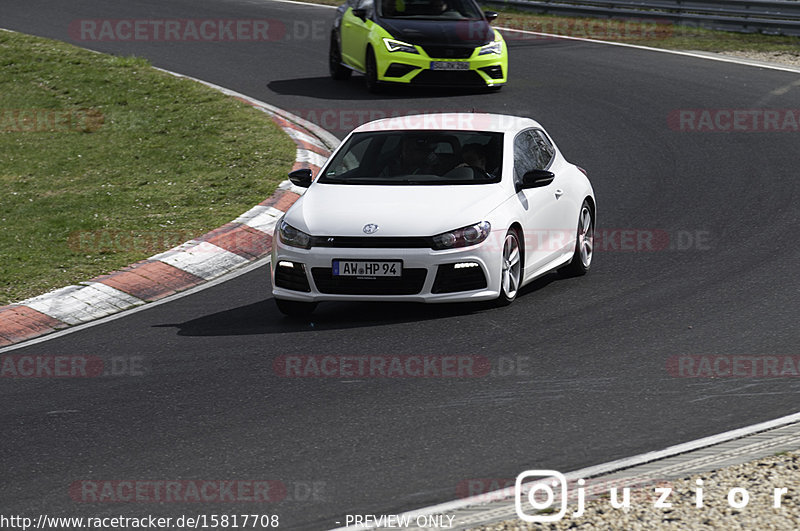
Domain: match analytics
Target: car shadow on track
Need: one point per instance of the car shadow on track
(354, 89)
(264, 318)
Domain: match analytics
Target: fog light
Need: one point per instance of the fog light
(464, 265)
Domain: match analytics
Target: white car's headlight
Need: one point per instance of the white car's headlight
(495, 47)
(293, 237)
(463, 237)
(399, 46)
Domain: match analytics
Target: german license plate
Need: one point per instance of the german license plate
(367, 268)
(449, 65)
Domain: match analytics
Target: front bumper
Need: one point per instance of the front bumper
(428, 275)
(484, 70)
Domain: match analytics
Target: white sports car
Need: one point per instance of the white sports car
(433, 208)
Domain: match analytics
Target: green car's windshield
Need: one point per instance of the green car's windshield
(417, 158)
(430, 9)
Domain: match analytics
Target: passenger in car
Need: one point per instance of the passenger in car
(415, 158)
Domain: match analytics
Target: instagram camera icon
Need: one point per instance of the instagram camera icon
(549, 480)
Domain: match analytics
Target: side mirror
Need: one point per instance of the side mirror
(536, 179)
(490, 15)
(360, 13)
(301, 177)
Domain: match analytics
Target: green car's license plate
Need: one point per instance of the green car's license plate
(449, 65)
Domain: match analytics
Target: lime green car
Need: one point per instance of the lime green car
(418, 42)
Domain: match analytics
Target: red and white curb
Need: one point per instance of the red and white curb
(212, 255)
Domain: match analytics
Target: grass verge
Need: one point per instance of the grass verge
(105, 161)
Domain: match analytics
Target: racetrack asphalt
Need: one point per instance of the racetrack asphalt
(594, 385)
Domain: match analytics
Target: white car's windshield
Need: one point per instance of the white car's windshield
(430, 9)
(417, 157)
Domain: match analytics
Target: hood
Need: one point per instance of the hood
(344, 210)
(439, 32)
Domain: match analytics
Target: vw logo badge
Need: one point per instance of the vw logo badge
(370, 228)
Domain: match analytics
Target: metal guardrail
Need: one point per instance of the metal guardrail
(778, 17)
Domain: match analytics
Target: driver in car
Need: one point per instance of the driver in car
(438, 7)
(475, 156)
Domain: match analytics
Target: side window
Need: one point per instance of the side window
(532, 151)
(525, 158)
(544, 148)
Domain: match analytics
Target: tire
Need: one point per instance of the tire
(338, 71)
(295, 309)
(511, 273)
(371, 76)
(584, 245)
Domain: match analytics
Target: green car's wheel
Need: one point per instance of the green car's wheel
(373, 85)
(338, 71)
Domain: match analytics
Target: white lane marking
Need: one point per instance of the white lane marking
(302, 137)
(79, 304)
(202, 259)
(287, 185)
(262, 218)
(304, 155)
(304, 3)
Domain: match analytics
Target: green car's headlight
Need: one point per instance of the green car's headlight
(293, 237)
(495, 47)
(399, 46)
(463, 237)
